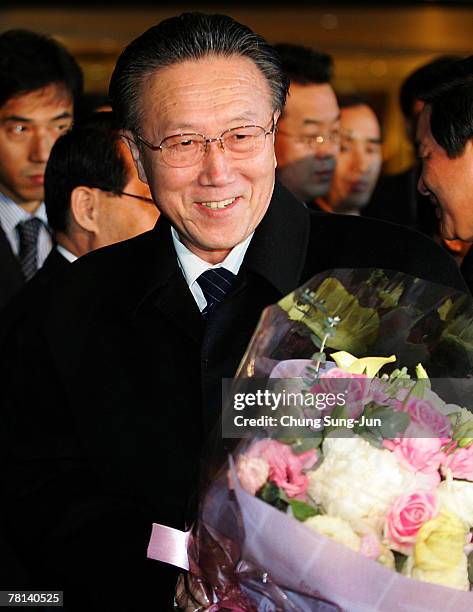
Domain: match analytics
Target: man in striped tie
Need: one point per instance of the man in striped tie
(39, 83)
(132, 347)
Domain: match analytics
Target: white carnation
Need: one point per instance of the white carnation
(357, 481)
(457, 497)
(335, 528)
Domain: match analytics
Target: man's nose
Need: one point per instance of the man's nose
(360, 162)
(216, 165)
(421, 187)
(327, 148)
(40, 146)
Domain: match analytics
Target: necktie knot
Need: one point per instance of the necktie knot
(215, 284)
(28, 232)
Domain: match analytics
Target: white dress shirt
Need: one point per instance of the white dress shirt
(11, 214)
(192, 266)
(66, 254)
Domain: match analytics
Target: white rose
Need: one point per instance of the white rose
(357, 481)
(457, 497)
(335, 528)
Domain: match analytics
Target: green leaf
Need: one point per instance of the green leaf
(273, 495)
(370, 437)
(399, 560)
(393, 423)
(302, 511)
(303, 445)
(316, 340)
(470, 567)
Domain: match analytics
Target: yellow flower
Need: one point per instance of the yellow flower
(366, 365)
(438, 552)
(420, 371)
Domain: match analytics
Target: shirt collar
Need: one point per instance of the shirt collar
(11, 214)
(192, 266)
(66, 254)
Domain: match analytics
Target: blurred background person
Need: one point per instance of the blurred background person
(359, 161)
(93, 195)
(445, 148)
(308, 135)
(39, 83)
(93, 198)
(396, 197)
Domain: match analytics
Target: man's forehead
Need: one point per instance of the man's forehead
(43, 104)
(360, 123)
(210, 86)
(312, 104)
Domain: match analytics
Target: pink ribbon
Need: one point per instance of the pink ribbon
(169, 545)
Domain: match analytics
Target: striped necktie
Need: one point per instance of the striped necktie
(28, 232)
(215, 284)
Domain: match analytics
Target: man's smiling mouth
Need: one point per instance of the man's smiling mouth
(218, 204)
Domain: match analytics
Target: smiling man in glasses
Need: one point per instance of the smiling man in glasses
(139, 335)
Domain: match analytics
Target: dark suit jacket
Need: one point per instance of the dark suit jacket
(130, 376)
(11, 276)
(396, 199)
(26, 299)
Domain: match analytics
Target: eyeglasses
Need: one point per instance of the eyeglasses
(185, 150)
(133, 195)
(312, 141)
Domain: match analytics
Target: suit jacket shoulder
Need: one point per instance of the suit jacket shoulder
(343, 241)
(11, 276)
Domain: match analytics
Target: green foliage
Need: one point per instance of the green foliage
(273, 495)
(302, 511)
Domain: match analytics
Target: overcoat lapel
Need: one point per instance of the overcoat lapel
(164, 289)
(11, 276)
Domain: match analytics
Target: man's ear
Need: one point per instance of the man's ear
(84, 208)
(129, 139)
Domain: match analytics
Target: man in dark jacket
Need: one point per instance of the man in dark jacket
(39, 83)
(134, 343)
(445, 137)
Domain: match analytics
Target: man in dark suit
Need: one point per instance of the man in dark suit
(396, 197)
(445, 146)
(308, 134)
(135, 342)
(39, 83)
(93, 198)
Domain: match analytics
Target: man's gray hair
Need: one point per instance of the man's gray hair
(190, 36)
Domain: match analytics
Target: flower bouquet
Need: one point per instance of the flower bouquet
(349, 479)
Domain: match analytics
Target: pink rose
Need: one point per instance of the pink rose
(427, 417)
(406, 516)
(252, 472)
(285, 467)
(356, 388)
(460, 463)
(422, 455)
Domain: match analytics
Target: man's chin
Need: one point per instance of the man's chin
(30, 195)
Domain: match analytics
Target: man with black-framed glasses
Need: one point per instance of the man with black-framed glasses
(139, 336)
